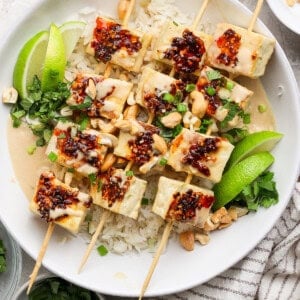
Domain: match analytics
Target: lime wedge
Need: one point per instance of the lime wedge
(30, 62)
(71, 32)
(253, 143)
(55, 60)
(240, 175)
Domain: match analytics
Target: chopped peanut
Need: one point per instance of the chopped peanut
(187, 240)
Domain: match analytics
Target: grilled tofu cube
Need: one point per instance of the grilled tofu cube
(217, 90)
(83, 151)
(57, 202)
(119, 192)
(99, 96)
(181, 47)
(198, 154)
(239, 51)
(139, 142)
(111, 42)
(154, 88)
(182, 202)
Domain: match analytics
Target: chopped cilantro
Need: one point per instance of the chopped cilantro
(83, 123)
(205, 123)
(234, 135)
(102, 250)
(52, 156)
(261, 192)
(167, 133)
(213, 75)
(62, 136)
(92, 177)
(87, 102)
(99, 186)
(145, 201)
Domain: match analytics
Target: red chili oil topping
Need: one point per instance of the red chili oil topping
(141, 146)
(155, 101)
(81, 143)
(50, 196)
(186, 52)
(200, 152)
(109, 37)
(113, 188)
(78, 90)
(229, 44)
(184, 206)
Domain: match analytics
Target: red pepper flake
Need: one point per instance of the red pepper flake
(141, 146)
(50, 196)
(199, 153)
(186, 52)
(82, 143)
(184, 206)
(109, 37)
(113, 188)
(229, 44)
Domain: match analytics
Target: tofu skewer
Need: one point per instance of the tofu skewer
(57, 203)
(240, 51)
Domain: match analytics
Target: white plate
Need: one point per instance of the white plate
(177, 269)
(289, 16)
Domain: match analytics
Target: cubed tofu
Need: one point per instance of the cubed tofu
(215, 89)
(152, 87)
(182, 202)
(107, 95)
(136, 143)
(57, 202)
(83, 151)
(119, 192)
(240, 51)
(181, 47)
(198, 154)
(111, 42)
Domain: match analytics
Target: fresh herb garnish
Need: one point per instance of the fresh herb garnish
(229, 85)
(31, 149)
(52, 156)
(87, 102)
(2, 257)
(92, 177)
(190, 87)
(59, 289)
(213, 75)
(145, 201)
(99, 186)
(181, 107)
(211, 91)
(167, 133)
(262, 108)
(42, 108)
(261, 192)
(129, 173)
(234, 135)
(168, 97)
(163, 161)
(102, 250)
(205, 123)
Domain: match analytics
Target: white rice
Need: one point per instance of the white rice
(122, 234)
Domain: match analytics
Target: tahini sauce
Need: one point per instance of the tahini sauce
(29, 167)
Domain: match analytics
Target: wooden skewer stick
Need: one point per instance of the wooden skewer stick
(161, 247)
(41, 255)
(255, 15)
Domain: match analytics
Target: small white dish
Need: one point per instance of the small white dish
(289, 16)
(9, 279)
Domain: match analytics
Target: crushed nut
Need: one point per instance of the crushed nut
(187, 240)
(172, 119)
(10, 95)
(202, 238)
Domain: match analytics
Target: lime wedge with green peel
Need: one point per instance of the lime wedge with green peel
(237, 177)
(253, 143)
(30, 62)
(71, 32)
(55, 60)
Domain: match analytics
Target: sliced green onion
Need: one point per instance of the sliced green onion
(102, 250)
(181, 107)
(175, 23)
(92, 177)
(62, 136)
(99, 187)
(52, 156)
(213, 75)
(168, 97)
(210, 91)
(190, 87)
(262, 108)
(129, 173)
(229, 85)
(163, 161)
(31, 149)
